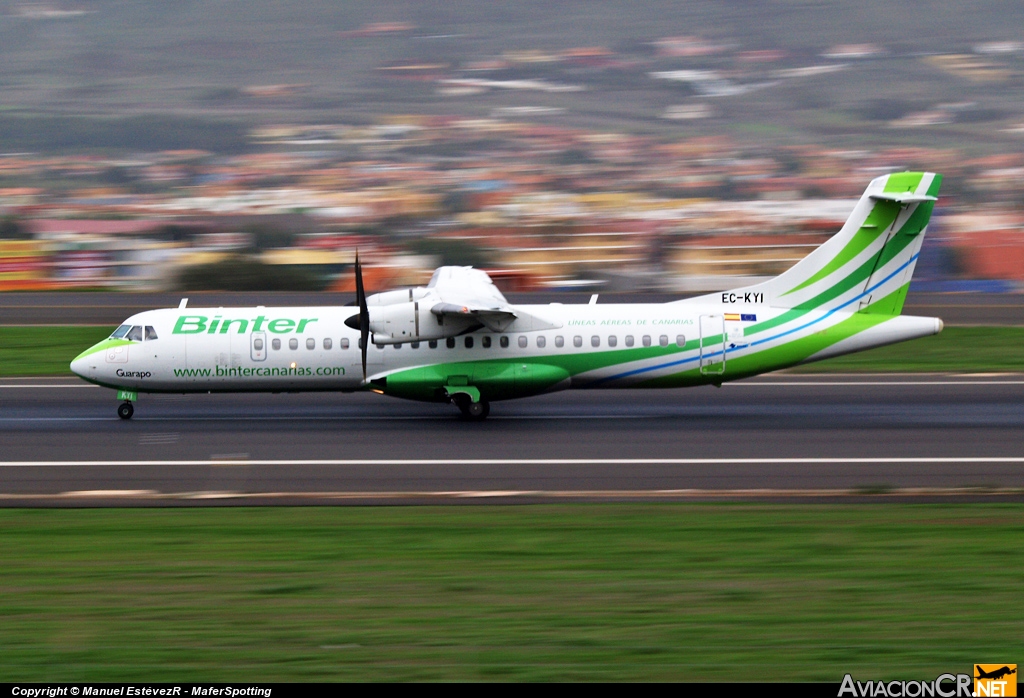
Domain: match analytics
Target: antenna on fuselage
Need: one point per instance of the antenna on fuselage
(184, 302)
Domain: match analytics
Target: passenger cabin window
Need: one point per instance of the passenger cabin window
(121, 331)
(559, 341)
(257, 344)
(503, 342)
(680, 340)
(663, 340)
(432, 344)
(629, 340)
(293, 343)
(595, 341)
(414, 345)
(450, 342)
(344, 342)
(134, 334)
(647, 340)
(541, 342)
(485, 342)
(150, 332)
(397, 346)
(523, 341)
(276, 344)
(310, 343)
(577, 341)
(469, 342)
(613, 340)
(328, 343)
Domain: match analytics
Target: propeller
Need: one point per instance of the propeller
(361, 321)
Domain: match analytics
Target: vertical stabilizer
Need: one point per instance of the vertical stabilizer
(867, 265)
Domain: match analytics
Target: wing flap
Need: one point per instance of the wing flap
(496, 319)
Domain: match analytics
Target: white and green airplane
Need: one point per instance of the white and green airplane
(459, 341)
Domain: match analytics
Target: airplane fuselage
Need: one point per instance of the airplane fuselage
(609, 346)
(459, 340)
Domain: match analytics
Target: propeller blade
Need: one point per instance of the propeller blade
(364, 315)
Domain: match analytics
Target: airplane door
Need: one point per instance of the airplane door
(712, 345)
(258, 346)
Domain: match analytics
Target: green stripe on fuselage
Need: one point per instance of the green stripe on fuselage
(102, 346)
(878, 221)
(782, 356)
(897, 244)
(423, 382)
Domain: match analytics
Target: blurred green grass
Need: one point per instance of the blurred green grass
(718, 592)
(47, 351)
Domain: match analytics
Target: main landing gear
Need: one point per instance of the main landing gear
(472, 411)
(125, 410)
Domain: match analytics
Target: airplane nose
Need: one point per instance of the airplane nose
(84, 364)
(78, 367)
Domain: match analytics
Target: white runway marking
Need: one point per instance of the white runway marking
(158, 439)
(37, 386)
(110, 493)
(337, 418)
(513, 461)
(56, 419)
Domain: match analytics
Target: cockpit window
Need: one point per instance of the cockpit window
(150, 332)
(121, 331)
(134, 334)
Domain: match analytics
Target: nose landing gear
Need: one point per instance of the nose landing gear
(125, 409)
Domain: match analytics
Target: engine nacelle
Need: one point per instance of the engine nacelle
(412, 322)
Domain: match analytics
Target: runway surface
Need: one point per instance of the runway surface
(780, 436)
(111, 308)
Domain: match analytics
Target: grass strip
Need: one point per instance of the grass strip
(47, 351)
(719, 592)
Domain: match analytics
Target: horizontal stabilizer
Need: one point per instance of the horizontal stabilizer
(902, 197)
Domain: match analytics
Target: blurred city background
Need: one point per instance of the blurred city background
(598, 145)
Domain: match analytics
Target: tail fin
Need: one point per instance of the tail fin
(866, 266)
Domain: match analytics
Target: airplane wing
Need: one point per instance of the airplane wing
(468, 293)
(466, 281)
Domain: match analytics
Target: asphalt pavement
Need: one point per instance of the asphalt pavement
(780, 436)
